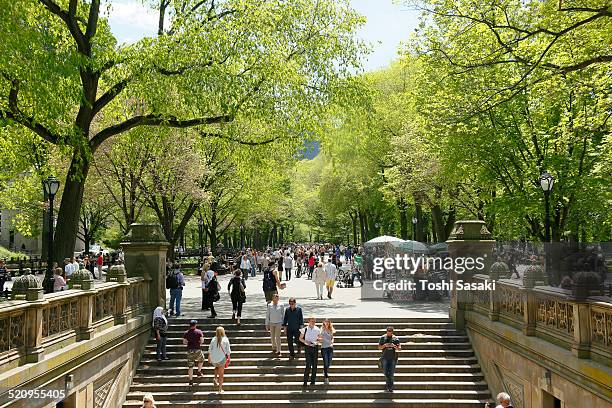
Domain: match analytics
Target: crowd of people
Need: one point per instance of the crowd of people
(319, 263)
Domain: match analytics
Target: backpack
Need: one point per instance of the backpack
(269, 283)
(172, 281)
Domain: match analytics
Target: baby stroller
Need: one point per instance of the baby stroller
(344, 278)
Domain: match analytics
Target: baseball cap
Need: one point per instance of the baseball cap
(193, 321)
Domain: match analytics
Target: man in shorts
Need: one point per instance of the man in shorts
(330, 276)
(193, 339)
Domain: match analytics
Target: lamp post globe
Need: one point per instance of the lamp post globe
(546, 181)
(50, 187)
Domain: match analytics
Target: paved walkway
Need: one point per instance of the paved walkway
(345, 302)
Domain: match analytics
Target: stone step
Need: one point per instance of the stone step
(309, 393)
(231, 325)
(358, 354)
(296, 385)
(337, 361)
(152, 369)
(338, 339)
(384, 401)
(240, 332)
(337, 347)
(337, 320)
(281, 377)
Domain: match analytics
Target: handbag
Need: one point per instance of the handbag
(227, 358)
(242, 294)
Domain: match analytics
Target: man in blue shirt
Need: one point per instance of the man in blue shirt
(292, 323)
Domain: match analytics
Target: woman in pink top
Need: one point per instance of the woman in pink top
(59, 283)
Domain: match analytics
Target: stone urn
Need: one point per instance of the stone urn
(499, 270)
(584, 283)
(81, 279)
(116, 273)
(533, 274)
(27, 287)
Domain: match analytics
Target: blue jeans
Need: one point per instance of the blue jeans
(175, 297)
(161, 347)
(253, 271)
(327, 353)
(389, 370)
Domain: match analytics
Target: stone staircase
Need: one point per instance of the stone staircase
(437, 368)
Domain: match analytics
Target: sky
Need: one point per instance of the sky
(387, 24)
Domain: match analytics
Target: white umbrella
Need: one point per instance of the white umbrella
(414, 246)
(384, 239)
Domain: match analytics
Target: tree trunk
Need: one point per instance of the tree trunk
(354, 222)
(403, 217)
(419, 216)
(362, 226)
(68, 215)
(437, 218)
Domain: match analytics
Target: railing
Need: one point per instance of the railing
(28, 329)
(581, 325)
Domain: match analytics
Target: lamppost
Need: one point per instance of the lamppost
(546, 182)
(50, 186)
(414, 225)
(200, 235)
(241, 236)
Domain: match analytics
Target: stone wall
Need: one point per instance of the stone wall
(520, 365)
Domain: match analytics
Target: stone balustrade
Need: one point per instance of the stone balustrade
(32, 324)
(583, 326)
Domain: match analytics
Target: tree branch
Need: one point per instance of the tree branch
(154, 120)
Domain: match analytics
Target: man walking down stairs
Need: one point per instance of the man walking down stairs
(436, 368)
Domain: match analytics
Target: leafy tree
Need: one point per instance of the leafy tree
(65, 79)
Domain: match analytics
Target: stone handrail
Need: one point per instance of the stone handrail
(28, 328)
(583, 326)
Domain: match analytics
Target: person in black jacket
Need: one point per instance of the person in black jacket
(292, 323)
(236, 287)
(212, 291)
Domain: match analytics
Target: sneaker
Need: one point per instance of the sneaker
(326, 381)
(191, 383)
(312, 383)
(212, 317)
(159, 359)
(305, 384)
(165, 358)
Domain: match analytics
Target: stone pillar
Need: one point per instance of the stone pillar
(117, 274)
(469, 239)
(34, 321)
(530, 305)
(27, 287)
(582, 330)
(145, 255)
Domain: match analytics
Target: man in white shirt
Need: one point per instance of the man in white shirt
(330, 272)
(71, 267)
(245, 266)
(311, 336)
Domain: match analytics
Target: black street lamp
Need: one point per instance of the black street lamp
(200, 236)
(241, 236)
(50, 186)
(414, 225)
(546, 182)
